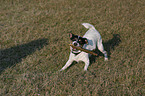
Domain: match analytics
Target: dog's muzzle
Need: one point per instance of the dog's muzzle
(75, 51)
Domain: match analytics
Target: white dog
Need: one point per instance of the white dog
(89, 41)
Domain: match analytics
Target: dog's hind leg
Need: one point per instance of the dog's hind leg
(68, 63)
(101, 48)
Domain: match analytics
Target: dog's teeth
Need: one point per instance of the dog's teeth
(74, 49)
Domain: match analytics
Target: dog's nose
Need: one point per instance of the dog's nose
(75, 44)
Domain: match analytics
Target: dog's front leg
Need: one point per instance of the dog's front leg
(68, 63)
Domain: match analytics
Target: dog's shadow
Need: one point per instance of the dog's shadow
(108, 46)
(11, 56)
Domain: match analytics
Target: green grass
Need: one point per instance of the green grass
(34, 46)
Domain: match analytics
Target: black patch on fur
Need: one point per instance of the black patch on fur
(82, 41)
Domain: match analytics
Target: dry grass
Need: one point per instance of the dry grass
(34, 46)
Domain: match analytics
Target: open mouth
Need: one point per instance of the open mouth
(74, 49)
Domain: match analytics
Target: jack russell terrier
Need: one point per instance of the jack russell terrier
(89, 41)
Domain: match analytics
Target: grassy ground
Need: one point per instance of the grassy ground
(34, 46)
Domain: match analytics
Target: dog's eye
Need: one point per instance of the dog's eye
(80, 41)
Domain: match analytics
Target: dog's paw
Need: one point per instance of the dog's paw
(106, 59)
(85, 70)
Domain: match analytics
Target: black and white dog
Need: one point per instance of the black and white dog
(89, 41)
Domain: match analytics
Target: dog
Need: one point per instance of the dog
(89, 41)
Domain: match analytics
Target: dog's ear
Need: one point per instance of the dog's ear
(73, 37)
(70, 35)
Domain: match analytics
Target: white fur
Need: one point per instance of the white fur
(94, 39)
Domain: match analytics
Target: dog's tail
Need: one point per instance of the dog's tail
(88, 26)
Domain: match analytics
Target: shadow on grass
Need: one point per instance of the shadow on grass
(112, 43)
(108, 46)
(11, 56)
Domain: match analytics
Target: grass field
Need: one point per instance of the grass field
(34, 46)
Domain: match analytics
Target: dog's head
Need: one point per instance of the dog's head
(77, 40)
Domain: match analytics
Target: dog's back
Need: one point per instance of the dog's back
(92, 35)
